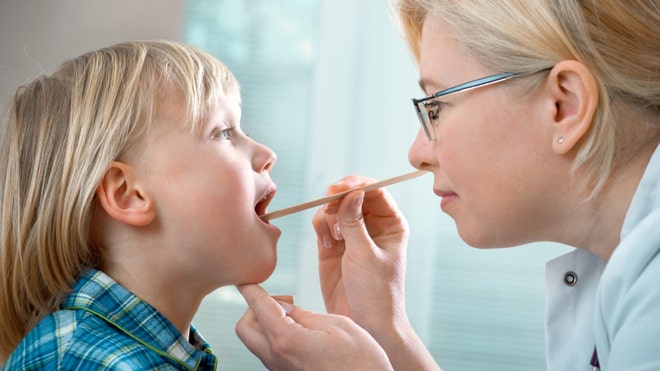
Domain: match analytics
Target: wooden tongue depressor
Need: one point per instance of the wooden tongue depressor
(326, 199)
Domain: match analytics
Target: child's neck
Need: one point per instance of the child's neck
(163, 291)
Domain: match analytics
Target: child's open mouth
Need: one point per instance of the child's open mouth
(261, 207)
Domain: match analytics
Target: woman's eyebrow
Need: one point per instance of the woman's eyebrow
(425, 83)
(422, 84)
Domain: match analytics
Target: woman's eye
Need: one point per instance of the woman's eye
(433, 108)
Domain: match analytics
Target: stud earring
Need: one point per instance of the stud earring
(560, 140)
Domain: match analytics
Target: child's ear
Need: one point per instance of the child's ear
(574, 94)
(123, 198)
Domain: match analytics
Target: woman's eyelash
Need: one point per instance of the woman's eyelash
(433, 108)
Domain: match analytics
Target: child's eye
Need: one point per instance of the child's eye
(433, 108)
(225, 134)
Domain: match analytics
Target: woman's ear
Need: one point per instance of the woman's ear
(123, 198)
(574, 92)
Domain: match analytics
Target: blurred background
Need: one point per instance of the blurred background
(327, 85)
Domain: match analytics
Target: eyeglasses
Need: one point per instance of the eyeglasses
(428, 111)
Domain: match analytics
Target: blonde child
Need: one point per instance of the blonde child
(130, 193)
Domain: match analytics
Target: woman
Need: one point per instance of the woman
(540, 123)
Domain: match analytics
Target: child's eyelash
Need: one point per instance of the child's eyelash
(224, 134)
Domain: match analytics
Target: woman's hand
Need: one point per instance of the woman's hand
(286, 337)
(362, 256)
(362, 243)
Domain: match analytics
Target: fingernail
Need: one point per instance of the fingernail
(286, 306)
(357, 202)
(328, 242)
(337, 232)
(330, 208)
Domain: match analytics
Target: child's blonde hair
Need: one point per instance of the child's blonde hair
(62, 133)
(617, 40)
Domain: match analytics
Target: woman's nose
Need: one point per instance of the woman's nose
(421, 152)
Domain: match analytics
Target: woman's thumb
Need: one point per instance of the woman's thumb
(349, 217)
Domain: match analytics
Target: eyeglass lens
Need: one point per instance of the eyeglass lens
(425, 120)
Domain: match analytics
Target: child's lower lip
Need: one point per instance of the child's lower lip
(270, 225)
(276, 231)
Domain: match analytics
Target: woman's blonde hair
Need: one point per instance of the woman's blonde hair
(62, 133)
(617, 40)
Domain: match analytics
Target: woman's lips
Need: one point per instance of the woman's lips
(447, 198)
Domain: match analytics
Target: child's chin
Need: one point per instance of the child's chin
(260, 276)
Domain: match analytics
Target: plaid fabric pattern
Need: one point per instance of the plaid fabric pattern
(101, 325)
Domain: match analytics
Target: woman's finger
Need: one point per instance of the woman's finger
(249, 331)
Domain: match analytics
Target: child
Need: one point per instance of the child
(130, 193)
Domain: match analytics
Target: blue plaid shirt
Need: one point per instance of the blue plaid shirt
(101, 325)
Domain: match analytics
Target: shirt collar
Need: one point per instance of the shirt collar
(99, 294)
(647, 195)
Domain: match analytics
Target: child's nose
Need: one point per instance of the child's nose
(264, 158)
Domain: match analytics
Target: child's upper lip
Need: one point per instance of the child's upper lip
(261, 206)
